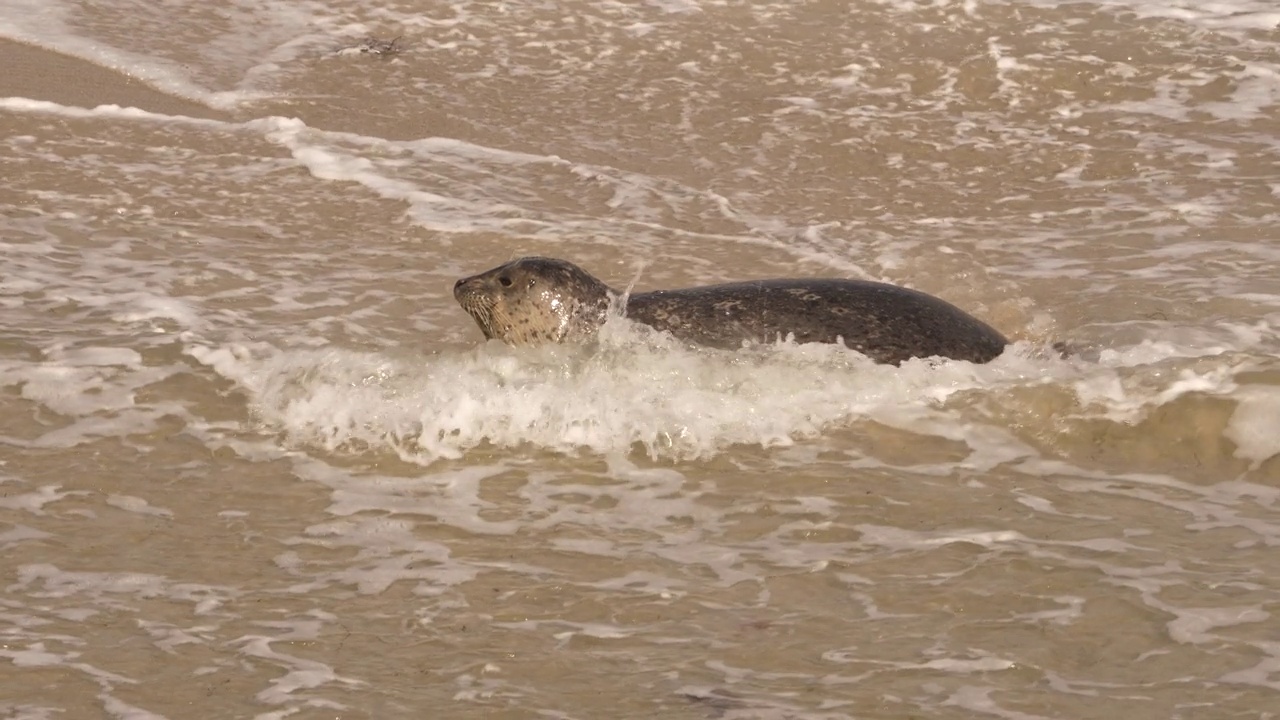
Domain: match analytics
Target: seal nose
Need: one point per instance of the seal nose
(461, 286)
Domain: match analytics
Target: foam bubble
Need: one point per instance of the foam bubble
(1255, 425)
(636, 389)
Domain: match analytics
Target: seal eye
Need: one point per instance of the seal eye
(505, 281)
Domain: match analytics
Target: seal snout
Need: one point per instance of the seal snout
(465, 286)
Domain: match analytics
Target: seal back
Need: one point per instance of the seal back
(885, 322)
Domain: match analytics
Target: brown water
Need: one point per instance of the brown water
(255, 462)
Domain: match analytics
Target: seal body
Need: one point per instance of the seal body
(534, 300)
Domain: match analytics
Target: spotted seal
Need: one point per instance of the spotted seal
(537, 300)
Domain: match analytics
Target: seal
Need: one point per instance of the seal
(537, 300)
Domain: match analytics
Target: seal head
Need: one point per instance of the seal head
(535, 300)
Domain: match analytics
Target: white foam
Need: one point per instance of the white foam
(259, 38)
(95, 387)
(389, 554)
(43, 580)
(444, 182)
(92, 356)
(1126, 397)
(21, 533)
(675, 6)
(34, 502)
(1262, 674)
(1255, 425)
(968, 665)
(636, 389)
(137, 505)
(1214, 14)
(978, 700)
(1192, 625)
(15, 711)
(301, 673)
(109, 110)
(903, 539)
(117, 708)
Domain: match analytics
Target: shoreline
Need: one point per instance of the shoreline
(38, 73)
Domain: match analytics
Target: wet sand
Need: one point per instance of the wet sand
(39, 74)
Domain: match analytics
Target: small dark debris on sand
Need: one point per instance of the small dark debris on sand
(373, 46)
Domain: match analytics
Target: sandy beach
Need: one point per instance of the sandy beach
(40, 74)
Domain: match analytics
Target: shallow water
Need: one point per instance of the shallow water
(255, 462)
